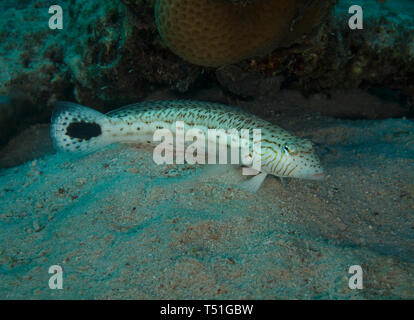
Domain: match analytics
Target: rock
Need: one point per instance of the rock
(32, 143)
(248, 84)
(36, 226)
(355, 104)
(103, 57)
(216, 33)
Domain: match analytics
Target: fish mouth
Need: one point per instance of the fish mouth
(318, 176)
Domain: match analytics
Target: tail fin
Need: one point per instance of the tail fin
(76, 128)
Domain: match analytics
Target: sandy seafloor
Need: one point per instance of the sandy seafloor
(123, 227)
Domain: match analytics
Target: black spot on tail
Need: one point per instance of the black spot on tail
(83, 130)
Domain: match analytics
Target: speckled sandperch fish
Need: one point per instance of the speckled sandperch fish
(77, 128)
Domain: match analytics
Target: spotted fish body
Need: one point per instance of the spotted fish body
(80, 129)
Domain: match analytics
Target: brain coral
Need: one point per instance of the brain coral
(219, 32)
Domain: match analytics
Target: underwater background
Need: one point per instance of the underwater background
(122, 227)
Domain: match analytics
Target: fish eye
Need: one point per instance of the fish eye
(289, 149)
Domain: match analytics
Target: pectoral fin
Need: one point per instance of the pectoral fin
(252, 185)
